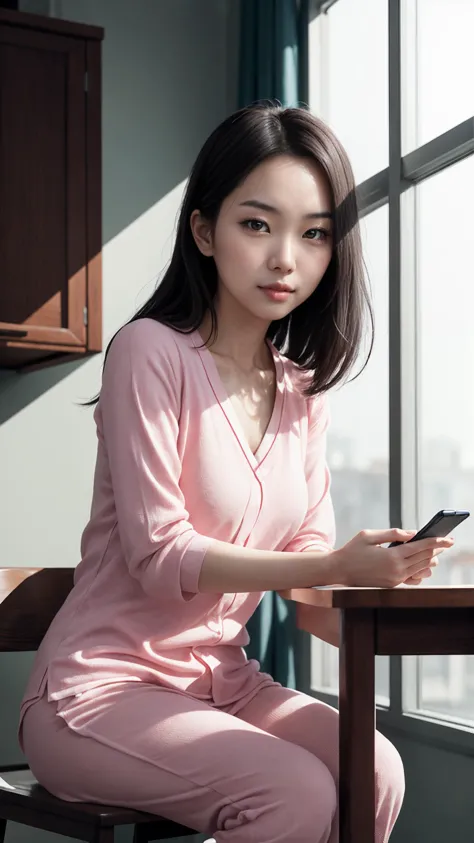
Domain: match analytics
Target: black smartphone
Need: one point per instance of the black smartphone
(440, 525)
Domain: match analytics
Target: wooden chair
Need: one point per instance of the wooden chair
(29, 600)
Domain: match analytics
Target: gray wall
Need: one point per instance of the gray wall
(169, 76)
(439, 804)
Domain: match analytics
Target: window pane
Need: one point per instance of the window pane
(445, 220)
(349, 79)
(358, 445)
(440, 36)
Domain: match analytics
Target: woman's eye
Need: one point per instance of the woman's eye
(317, 234)
(255, 225)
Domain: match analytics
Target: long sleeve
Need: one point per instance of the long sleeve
(318, 528)
(172, 476)
(139, 408)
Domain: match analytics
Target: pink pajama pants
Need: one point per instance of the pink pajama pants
(265, 775)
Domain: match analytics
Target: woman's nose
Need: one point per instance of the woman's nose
(283, 258)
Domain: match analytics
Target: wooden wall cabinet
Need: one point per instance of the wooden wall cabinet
(50, 190)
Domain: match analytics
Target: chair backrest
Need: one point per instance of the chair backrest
(29, 600)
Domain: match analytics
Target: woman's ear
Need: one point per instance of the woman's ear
(202, 233)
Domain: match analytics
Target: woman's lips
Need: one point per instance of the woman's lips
(277, 293)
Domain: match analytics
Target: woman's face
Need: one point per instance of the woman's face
(272, 241)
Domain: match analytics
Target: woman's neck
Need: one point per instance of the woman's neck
(241, 340)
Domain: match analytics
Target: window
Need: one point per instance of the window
(417, 244)
(445, 220)
(439, 67)
(358, 446)
(348, 76)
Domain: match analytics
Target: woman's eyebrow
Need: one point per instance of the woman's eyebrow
(263, 206)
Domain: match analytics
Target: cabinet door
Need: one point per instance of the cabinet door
(42, 188)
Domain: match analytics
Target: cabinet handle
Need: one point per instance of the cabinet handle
(12, 332)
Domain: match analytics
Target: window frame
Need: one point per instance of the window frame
(392, 186)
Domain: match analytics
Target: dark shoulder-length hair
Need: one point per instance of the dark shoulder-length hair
(323, 334)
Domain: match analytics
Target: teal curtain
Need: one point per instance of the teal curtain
(274, 51)
(274, 65)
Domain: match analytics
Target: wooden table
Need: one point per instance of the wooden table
(400, 621)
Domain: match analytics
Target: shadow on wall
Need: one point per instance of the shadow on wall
(17, 391)
(161, 97)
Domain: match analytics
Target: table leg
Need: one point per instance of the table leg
(357, 726)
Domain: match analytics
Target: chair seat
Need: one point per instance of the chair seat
(20, 790)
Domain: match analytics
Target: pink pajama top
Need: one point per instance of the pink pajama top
(173, 473)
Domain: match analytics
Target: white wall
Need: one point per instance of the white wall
(169, 76)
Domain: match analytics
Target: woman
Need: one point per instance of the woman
(210, 488)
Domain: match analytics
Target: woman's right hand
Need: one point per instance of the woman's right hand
(363, 562)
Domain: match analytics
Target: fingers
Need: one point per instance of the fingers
(425, 546)
(421, 561)
(424, 574)
(430, 557)
(386, 536)
(413, 581)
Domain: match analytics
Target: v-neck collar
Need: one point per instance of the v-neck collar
(223, 399)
